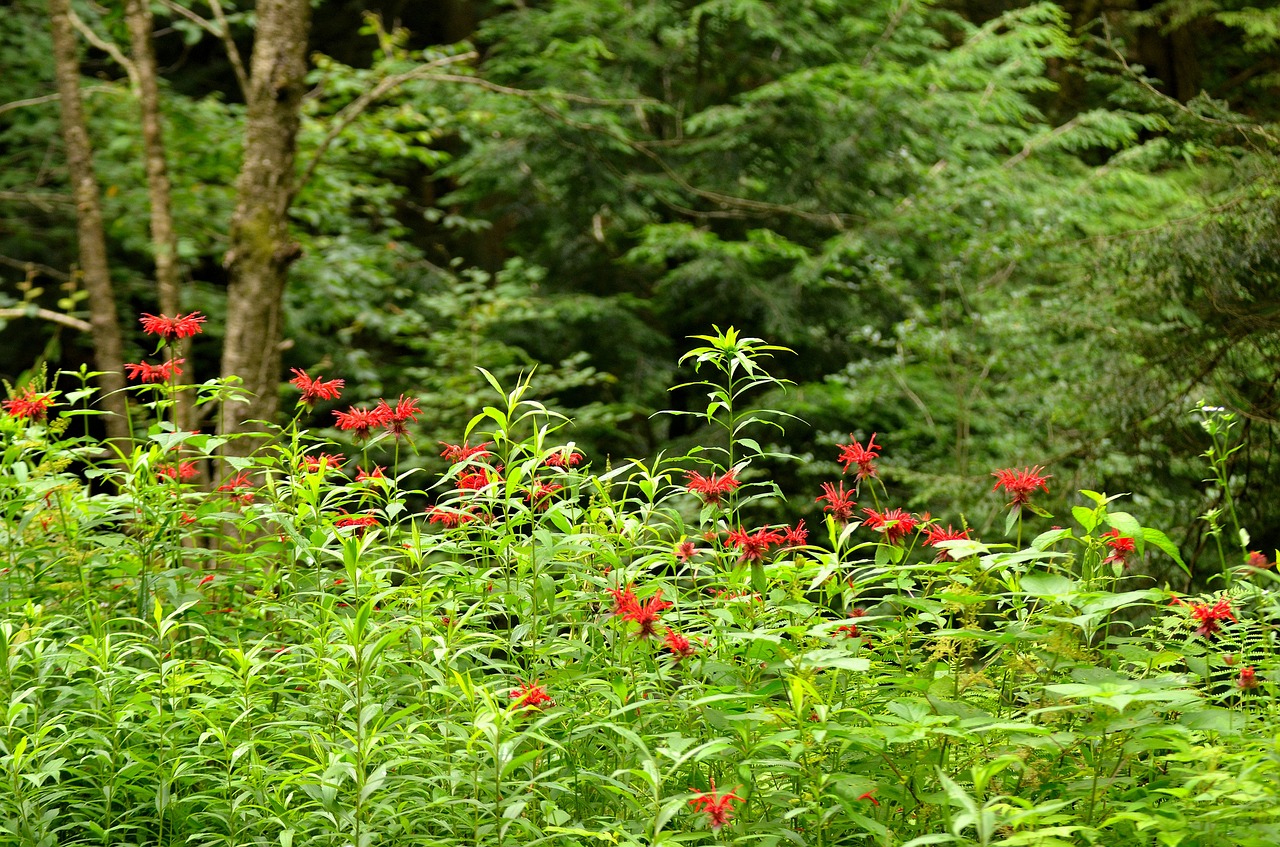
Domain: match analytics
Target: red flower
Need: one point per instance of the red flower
(679, 645)
(314, 389)
(934, 535)
(322, 462)
(530, 695)
(863, 457)
(179, 326)
(1258, 560)
(1248, 679)
(839, 502)
(624, 600)
(361, 421)
(377, 473)
(754, 545)
(29, 406)
(361, 521)
(712, 488)
(1020, 483)
(205, 581)
(473, 481)
(894, 524)
(397, 417)
(1210, 615)
(235, 483)
(867, 796)
(850, 629)
(685, 551)
(146, 372)
(1121, 546)
(563, 459)
(716, 806)
(449, 518)
(180, 472)
(646, 614)
(796, 536)
(462, 452)
(539, 496)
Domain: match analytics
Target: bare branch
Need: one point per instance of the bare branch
(222, 33)
(46, 314)
(106, 47)
(44, 200)
(29, 267)
(48, 98)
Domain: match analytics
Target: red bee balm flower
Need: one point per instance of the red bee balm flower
(839, 502)
(462, 452)
(864, 457)
(754, 545)
(397, 417)
(1210, 615)
(678, 645)
(146, 372)
(449, 518)
(314, 389)
(530, 695)
(685, 551)
(796, 536)
(624, 600)
(181, 472)
(234, 485)
(712, 488)
(894, 524)
(361, 521)
(716, 806)
(361, 421)
(563, 459)
(1248, 679)
(1020, 484)
(934, 535)
(29, 406)
(539, 496)
(179, 326)
(1121, 546)
(322, 462)
(646, 614)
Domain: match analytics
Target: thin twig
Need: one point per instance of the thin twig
(106, 47)
(222, 34)
(46, 314)
(233, 53)
(50, 98)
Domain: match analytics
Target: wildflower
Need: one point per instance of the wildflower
(711, 489)
(179, 472)
(849, 628)
(1248, 679)
(473, 481)
(1258, 560)
(539, 496)
(205, 581)
(233, 485)
(179, 326)
(894, 524)
(935, 535)
(1210, 615)
(679, 645)
(322, 462)
(397, 417)
(754, 545)
(624, 600)
(796, 536)
(866, 795)
(463, 452)
(685, 551)
(362, 521)
(449, 518)
(315, 388)
(716, 806)
(563, 459)
(1020, 484)
(840, 503)
(146, 372)
(864, 457)
(376, 474)
(186, 519)
(530, 695)
(361, 421)
(29, 405)
(1120, 546)
(646, 614)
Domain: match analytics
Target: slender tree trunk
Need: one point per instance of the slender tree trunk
(105, 323)
(164, 238)
(260, 250)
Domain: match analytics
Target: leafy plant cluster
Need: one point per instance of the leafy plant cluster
(563, 651)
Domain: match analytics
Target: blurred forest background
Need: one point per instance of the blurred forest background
(994, 233)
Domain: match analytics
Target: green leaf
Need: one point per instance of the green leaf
(1162, 542)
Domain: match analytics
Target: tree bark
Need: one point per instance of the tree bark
(164, 238)
(105, 323)
(260, 250)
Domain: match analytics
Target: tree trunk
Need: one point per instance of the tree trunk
(107, 345)
(260, 250)
(164, 238)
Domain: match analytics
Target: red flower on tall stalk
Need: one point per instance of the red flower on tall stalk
(679, 645)
(360, 523)
(449, 518)
(377, 474)
(473, 481)
(397, 417)
(716, 806)
(711, 489)
(1020, 484)
(934, 535)
(685, 551)
(234, 486)
(796, 536)
(1120, 546)
(322, 462)
(563, 459)
(624, 600)
(179, 326)
(864, 457)
(146, 372)
(315, 388)
(180, 472)
(753, 546)
(840, 503)
(1248, 679)
(29, 405)
(646, 614)
(463, 452)
(360, 422)
(1210, 615)
(539, 496)
(530, 695)
(1258, 560)
(893, 524)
